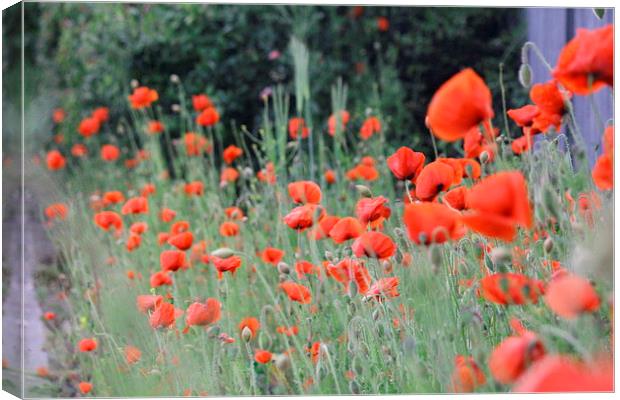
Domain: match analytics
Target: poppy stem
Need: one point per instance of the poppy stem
(408, 190)
(434, 144)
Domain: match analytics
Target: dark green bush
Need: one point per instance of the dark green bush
(92, 51)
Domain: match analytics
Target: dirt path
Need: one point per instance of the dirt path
(37, 248)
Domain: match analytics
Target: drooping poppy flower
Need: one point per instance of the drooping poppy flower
(460, 104)
(346, 228)
(456, 198)
(102, 114)
(229, 264)
(585, 64)
(467, 375)
(262, 356)
(370, 209)
(136, 205)
(271, 255)
(195, 188)
(203, 314)
(196, 144)
(85, 387)
(304, 192)
(515, 354)
(231, 153)
(155, 127)
(383, 24)
(375, 245)
(148, 302)
(303, 268)
(434, 178)
(55, 160)
(229, 229)
(296, 126)
(559, 373)
(251, 323)
(570, 295)
(201, 102)
(603, 173)
(384, 287)
(58, 115)
(163, 316)
(322, 229)
(142, 97)
(160, 278)
(56, 211)
(228, 175)
(89, 126)
(110, 153)
(133, 241)
(370, 126)
(330, 176)
(304, 217)
(171, 260)
(87, 345)
(182, 240)
(132, 354)
(406, 164)
(331, 122)
(208, 117)
(511, 288)
(79, 150)
(498, 204)
(432, 223)
(108, 219)
(296, 292)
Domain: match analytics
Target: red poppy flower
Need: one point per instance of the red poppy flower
(167, 215)
(108, 219)
(56, 211)
(303, 217)
(136, 205)
(132, 354)
(586, 63)
(460, 104)
(498, 204)
(160, 278)
(201, 102)
(229, 264)
(296, 292)
(148, 302)
(182, 241)
(515, 354)
(163, 316)
(272, 255)
(434, 178)
(228, 229)
(251, 323)
(102, 114)
(331, 122)
(322, 229)
(303, 268)
(288, 331)
(384, 287)
(346, 228)
(603, 172)
(406, 164)
(268, 174)
(570, 295)
(196, 144)
(374, 244)
(142, 97)
(208, 117)
(558, 373)
(228, 175)
(475, 143)
(203, 314)
(49, 316)
(231, 153)
(432, 223)
(383, 24)
(348, 270)
(234, 213)
(304, 192)
(510, 288)
(110, 153)
(467, 375)
(85, 387)
(147, 190)
(296, 126)
(522, 144)
(370, 126)
(55, 160)
(262, 356)
(370, 209)
(195, 188)
(456, 198)
(155, 127)
(172, 260)
(524, 116)
(79, 150)
(133, 242)
(89, 126)
(330, 176)
(58, 115)
(113, 197)
(87, 345)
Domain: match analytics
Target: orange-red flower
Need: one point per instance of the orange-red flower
(132, 354)
(603, 172)
(271, 255)
(370, 126)
(296, 126)
(163, 316)
(55, 160)
(87, 345)
(195, 188)
(304, 192)
(570, 295)
(172, 260)
(182, 240)
(228, 175)
(167, 215)
(383, 24)
(348, 270)
(467, 375)
(56, 211)
(251, 323)
(102, 114)
(136, 205)
(460, 104)
(346, 228)
(160, 278)
(456, 198)
(231, 153)
(229, 228)
(303, 217)
(262, 356)
(434, 178)
(208, 117)
(510, 288)
(138, 228)
(110, 153)
(148, 302)
(85, 387)
(384, 287)
(89, 126)
(370, 209)
(58, 115)
(142, 97)
(234, 213)
(155, 127)
(108, 219)
(331, 122)
(498, 204)
(202, 314)
(229, 264)
(133, 241)
(196, 144)
(406, 164)
(330, 176)
(79, 150)
(432, 223)
(201, 102)
(322, 229)
(585, 64)
(374, 244)
(296, 292)
(304, 268)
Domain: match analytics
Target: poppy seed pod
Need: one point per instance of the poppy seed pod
(134, 83)
(484, 157)
(246, 334)
(223, 252)
(525, 75)
(174, 78)
(548, 245)
(283, 268)
(500, 256)
(363, 191)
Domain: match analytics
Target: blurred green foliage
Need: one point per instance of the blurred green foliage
(93, 51)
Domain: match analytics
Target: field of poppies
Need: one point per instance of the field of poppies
(312, 257)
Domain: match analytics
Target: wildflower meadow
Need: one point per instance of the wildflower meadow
(313, 255)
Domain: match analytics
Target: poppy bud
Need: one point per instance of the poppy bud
(282, 361)
(174, 78)
(134, 83)
(329, 256)
(484, 157)
(548, 245)
(354, 387)
(363, 191)
(247, 172)
(223, 252)
(283, 268)
(246, 334)
(176, 108)
(525, 75)
(500, 256)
